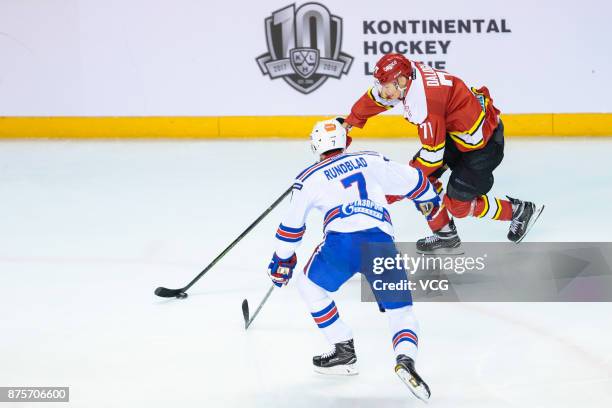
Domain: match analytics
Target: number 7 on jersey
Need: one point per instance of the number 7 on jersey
(361, 184)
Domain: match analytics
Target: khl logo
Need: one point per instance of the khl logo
(304, 47)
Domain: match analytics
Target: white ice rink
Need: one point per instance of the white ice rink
(88, 230)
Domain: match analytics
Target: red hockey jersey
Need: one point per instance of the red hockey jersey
(440, 104)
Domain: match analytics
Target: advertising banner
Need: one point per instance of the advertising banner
(277, 57)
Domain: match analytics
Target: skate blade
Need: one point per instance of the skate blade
(347, 369)
(418, 391)
(532, 221)
(443, 251)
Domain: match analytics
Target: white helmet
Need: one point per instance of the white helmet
(327, 135)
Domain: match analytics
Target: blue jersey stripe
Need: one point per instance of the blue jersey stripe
(280, 237)
(324, 311)
(408, 339)
(329, 322)
(404, 331)
(417, 185)
(289, 229)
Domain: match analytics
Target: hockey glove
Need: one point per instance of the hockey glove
(281, 270)
(429, 208)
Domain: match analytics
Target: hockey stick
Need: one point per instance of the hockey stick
(245, 308)
(181, 293)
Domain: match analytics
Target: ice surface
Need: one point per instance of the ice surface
(88, 230)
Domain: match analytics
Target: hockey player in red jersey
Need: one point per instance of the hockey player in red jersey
(459, 129)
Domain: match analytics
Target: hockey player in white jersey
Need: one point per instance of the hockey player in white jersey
(349, 189)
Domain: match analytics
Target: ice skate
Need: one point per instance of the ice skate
(441, 242)
(341, 360)
(406, 372)
(524, 216)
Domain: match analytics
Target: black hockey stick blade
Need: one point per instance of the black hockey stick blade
(245, 308)
(170, 293)
(245, 313)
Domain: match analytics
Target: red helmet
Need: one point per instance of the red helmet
(391, 66)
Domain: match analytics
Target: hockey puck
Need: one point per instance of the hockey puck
(181, 295)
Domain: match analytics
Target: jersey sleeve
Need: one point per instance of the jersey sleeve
(403, 180)
(432, 134)
(291, 230)
(370, 104)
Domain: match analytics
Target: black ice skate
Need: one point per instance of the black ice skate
(524, 216)
(406, 372)
(441, 242)
(341, 360)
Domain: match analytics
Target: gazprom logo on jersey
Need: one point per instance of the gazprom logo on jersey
(366, 207)
(304, 47)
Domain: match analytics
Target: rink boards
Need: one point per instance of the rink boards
(266, 127)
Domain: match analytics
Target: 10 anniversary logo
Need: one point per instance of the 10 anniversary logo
(304, 47)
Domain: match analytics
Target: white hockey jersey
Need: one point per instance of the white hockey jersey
(349, 189)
